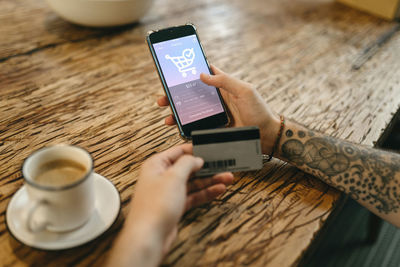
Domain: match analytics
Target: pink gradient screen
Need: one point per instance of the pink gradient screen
(181, 61)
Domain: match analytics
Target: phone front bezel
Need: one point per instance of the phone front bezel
(214, 121)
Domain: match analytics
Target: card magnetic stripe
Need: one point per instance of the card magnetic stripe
(222, 137)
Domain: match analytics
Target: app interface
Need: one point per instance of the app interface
(182, 61)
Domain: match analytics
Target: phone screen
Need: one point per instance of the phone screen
(181, 61)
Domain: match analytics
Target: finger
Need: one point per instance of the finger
(175, 152)
(170, 120)
(163, 101)
(224, 81)
(187, 148)
(198, 184)
(169, 156)
(185, 166)
(216, 70)
(204, 196)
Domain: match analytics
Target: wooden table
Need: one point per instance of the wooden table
(97, 88)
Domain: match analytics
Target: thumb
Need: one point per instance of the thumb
(185, 166)
(223, 81)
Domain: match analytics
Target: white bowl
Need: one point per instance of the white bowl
(101, 13)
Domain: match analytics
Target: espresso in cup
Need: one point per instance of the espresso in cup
(60, 173)
(59, 182)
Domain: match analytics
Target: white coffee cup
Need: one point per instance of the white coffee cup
(59, 202)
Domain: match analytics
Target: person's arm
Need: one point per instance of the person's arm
(140, 244)
(164, 191)
(370, 176)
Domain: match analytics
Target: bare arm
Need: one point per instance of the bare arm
(368, 175)
(164, 191)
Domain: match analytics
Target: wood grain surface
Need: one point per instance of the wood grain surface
(96, 88)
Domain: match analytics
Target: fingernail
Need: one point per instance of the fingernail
(199, 160)
(205, 75)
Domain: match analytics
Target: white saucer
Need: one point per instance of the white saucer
(107, 206)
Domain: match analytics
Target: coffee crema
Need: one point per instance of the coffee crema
(60, 172)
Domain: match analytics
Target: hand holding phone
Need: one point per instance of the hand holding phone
(246, 106)
(179, 59)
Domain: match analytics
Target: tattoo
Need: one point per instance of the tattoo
(289, 133)
(369, 175)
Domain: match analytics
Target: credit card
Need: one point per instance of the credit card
(228, 149)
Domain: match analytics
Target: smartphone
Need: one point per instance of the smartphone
(179, 59)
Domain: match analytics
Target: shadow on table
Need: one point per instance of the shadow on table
(73, 32)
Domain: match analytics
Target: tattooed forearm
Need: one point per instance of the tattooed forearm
(369, 175)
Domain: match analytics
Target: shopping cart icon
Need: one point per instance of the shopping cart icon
(184, 62)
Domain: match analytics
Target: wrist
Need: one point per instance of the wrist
(136, 245)
(269, 134)
(141, 242)
(143, 226)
